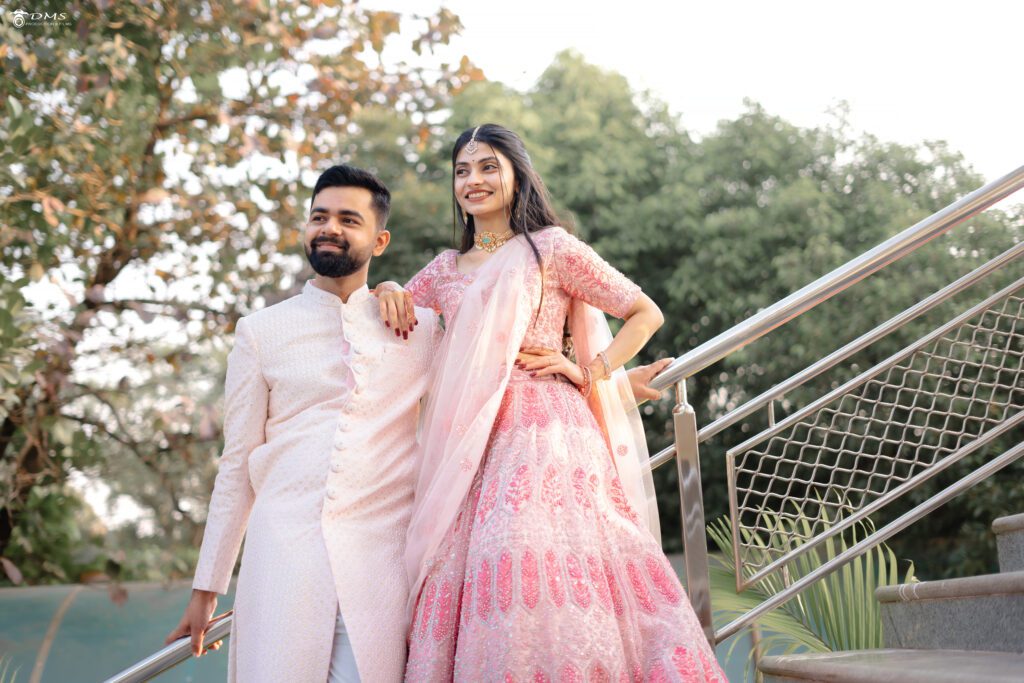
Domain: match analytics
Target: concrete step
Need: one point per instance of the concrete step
(1009, 533)
(895, 666)
(975, 613)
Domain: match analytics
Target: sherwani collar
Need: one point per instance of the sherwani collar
(318, 295)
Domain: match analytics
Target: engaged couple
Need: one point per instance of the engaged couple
(466, 502)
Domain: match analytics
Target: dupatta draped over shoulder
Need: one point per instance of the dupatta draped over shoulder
(471, 374)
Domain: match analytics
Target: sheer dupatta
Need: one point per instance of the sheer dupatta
(614, 406)
(472, 372)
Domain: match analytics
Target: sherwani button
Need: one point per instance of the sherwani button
(332, 494)
(336, 467)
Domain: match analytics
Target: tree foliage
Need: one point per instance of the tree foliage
(155, 164)
(163, 199)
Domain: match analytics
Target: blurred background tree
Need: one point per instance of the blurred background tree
(155, 160)
(157, 184)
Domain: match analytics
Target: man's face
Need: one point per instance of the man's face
(341, 232)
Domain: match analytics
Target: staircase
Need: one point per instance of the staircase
(968, 630)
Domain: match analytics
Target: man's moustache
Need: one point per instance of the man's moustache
(340, 245)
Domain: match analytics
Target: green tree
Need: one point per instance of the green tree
(151, 172)
(150, 176)
(717, 229)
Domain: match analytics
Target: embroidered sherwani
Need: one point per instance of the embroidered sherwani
(321, 404)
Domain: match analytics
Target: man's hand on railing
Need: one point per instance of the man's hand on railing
(195, 621)
(640, 379)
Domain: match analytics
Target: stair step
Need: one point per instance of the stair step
(974, 613)
(1009, 533)
(887, 666)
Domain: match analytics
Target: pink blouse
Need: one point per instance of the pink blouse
(572, 270)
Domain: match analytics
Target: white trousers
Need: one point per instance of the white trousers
(343, 660)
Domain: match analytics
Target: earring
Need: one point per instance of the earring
(465, 217)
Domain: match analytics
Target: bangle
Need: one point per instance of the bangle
(587, 381)
(607, 366)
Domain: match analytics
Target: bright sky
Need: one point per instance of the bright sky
(910, 70)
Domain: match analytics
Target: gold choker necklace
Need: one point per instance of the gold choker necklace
(491, 241)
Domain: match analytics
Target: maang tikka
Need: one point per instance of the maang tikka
(472, 145)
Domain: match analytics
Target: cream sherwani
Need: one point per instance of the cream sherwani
(321, 404)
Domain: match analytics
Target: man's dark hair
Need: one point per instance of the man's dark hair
(344, 175)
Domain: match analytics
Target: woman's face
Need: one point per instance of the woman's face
(484, 181)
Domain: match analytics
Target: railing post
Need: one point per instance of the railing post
(691, 506)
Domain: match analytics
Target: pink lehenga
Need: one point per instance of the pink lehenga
(533, 551)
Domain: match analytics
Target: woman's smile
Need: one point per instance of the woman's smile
(478, 195)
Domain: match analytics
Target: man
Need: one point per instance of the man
(321, 405)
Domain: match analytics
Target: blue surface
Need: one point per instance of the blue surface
(98, 638)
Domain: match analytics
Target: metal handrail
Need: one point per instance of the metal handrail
(868, 374)
(841, 278)
(841, 354)
(880, 536)
(685, 450)
(862, 342)
(170, 656)
(1007, 427)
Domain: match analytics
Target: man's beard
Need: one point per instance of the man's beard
(335, 263)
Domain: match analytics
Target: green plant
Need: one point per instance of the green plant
(838, 612)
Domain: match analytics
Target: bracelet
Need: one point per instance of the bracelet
(607, 366)
(587, 381)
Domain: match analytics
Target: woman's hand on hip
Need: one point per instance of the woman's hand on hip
(540, 362)
(396, 308)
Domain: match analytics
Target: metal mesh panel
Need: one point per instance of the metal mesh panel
(905, 418)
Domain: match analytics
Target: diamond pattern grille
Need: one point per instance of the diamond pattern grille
(904, 419)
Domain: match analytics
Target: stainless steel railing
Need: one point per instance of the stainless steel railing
(838, 280)
(766, 398)
(756, 466)
(170, 656)
(901, 420)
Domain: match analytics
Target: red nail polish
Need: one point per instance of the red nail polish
(405, 335)
(387, 324)
(533, 374)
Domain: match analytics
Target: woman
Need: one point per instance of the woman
(533, 550)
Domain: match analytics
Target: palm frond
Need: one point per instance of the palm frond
(838, 612)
